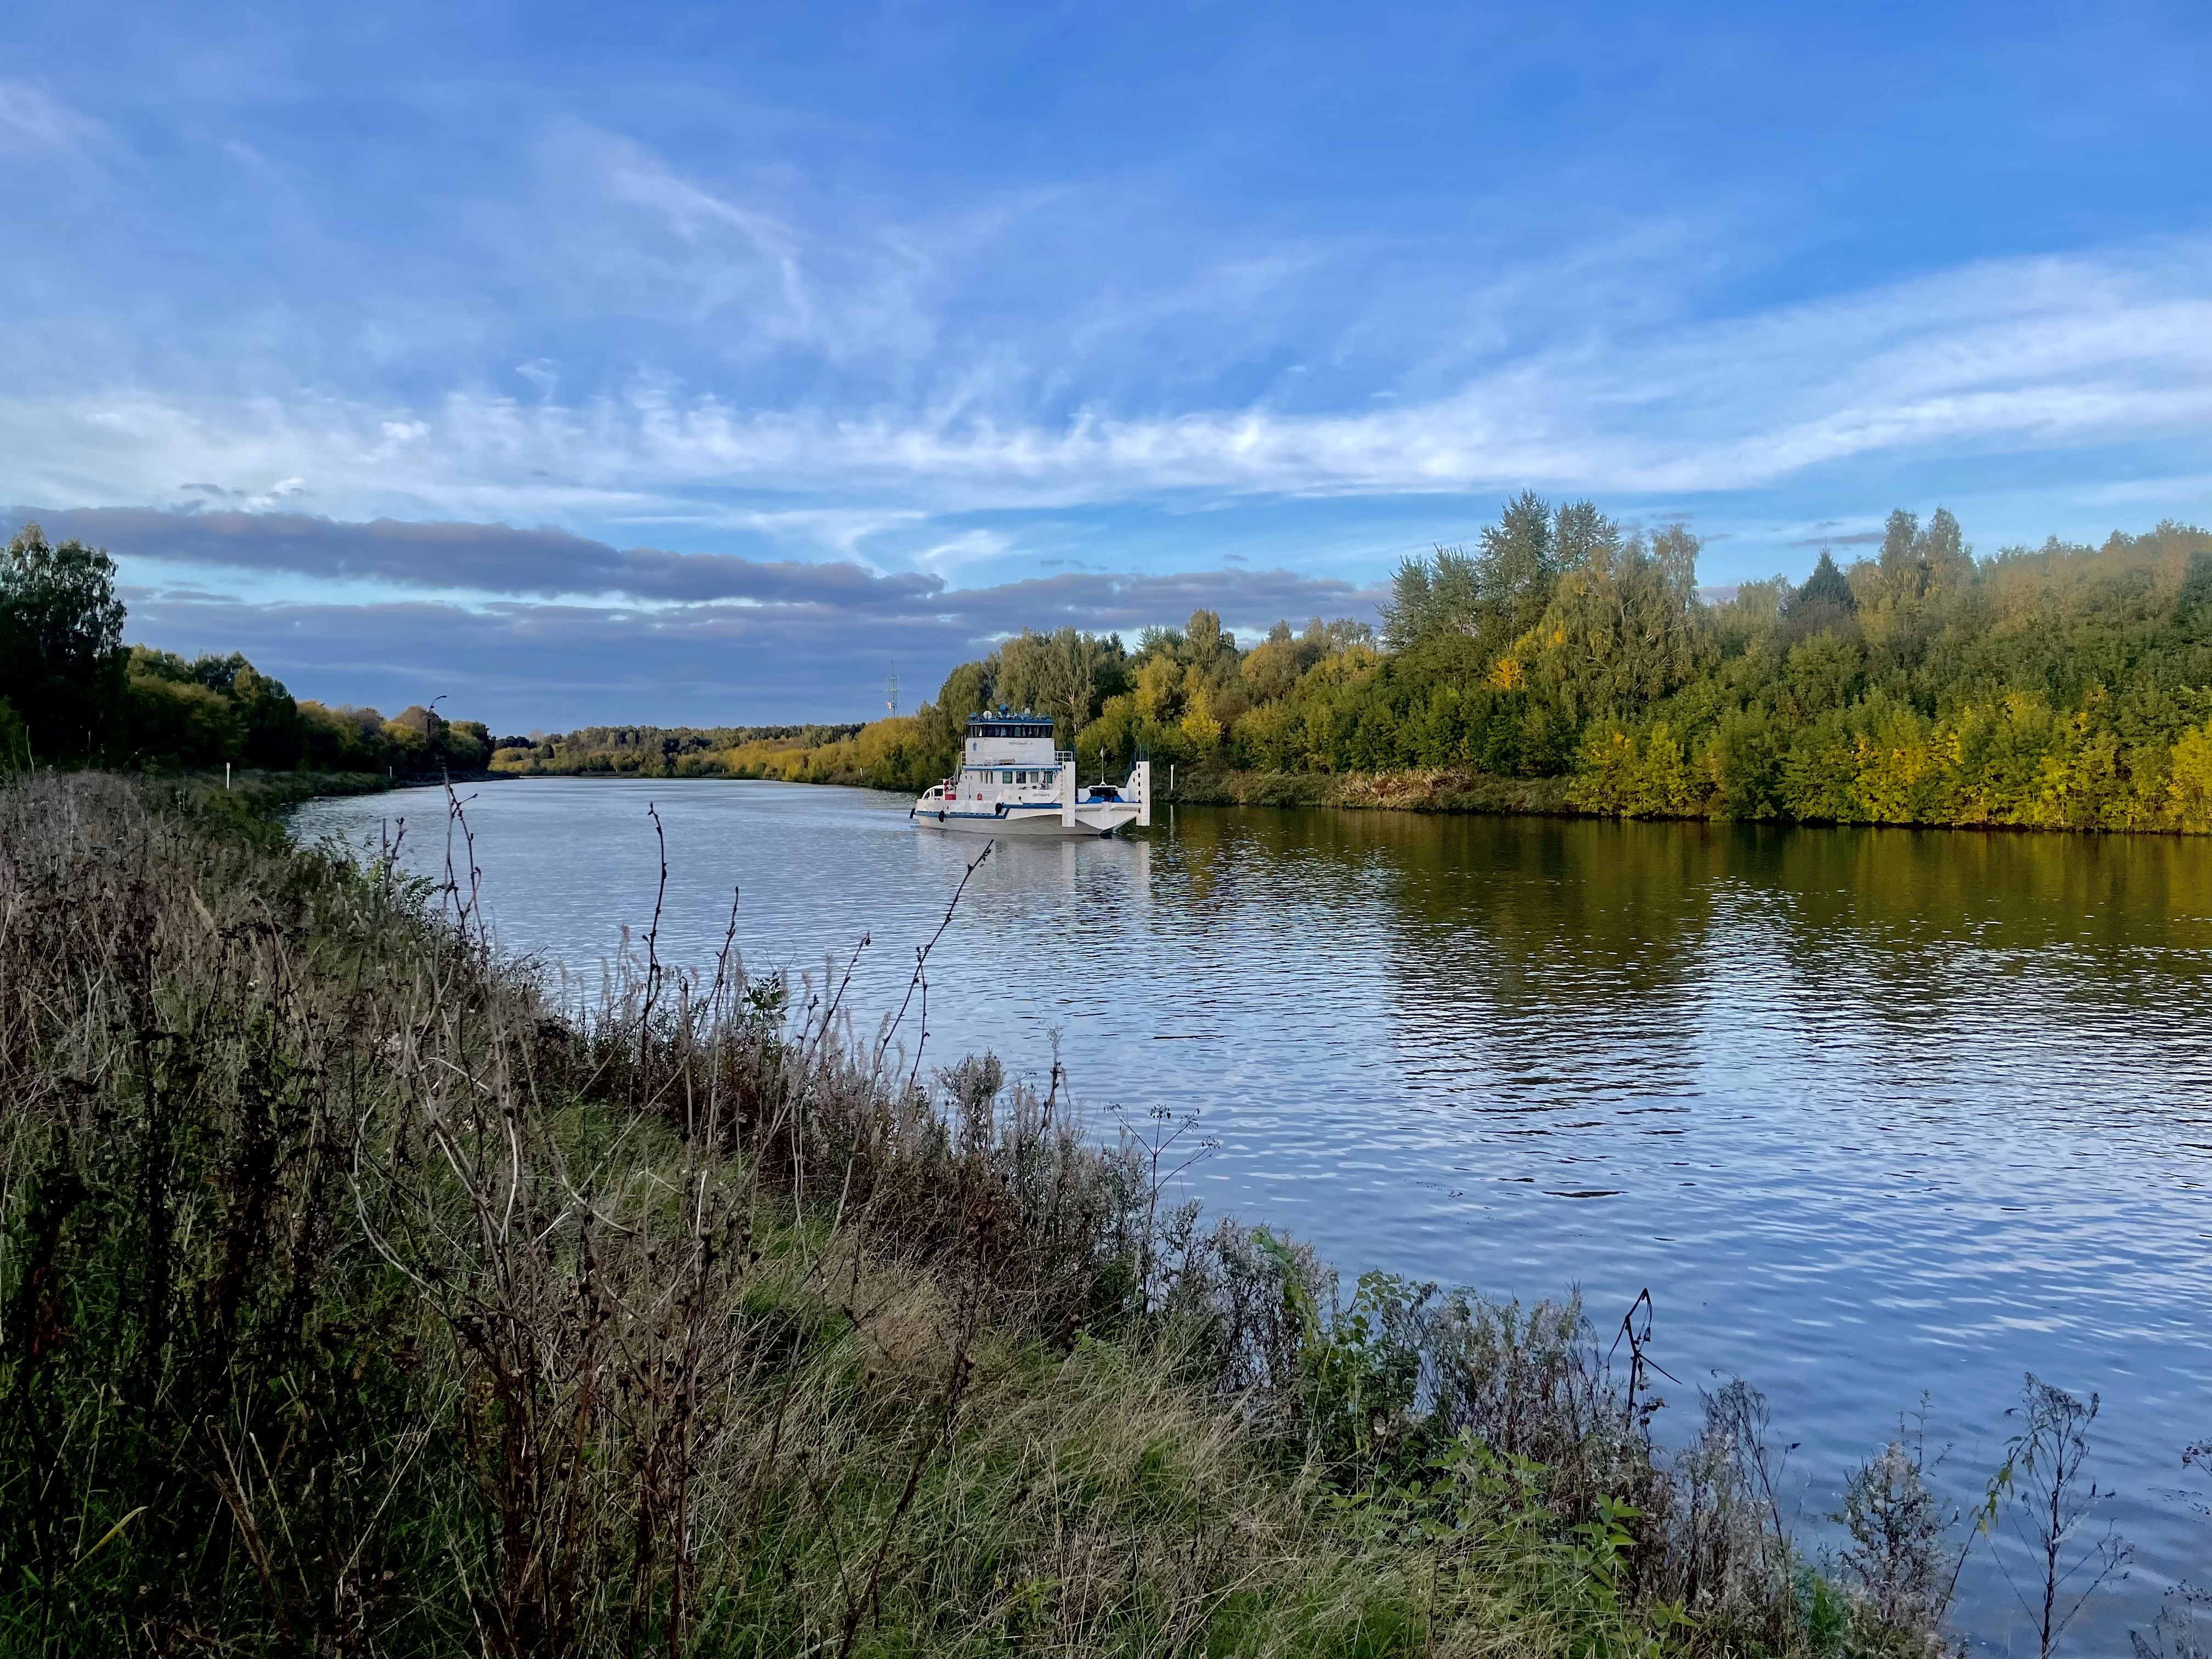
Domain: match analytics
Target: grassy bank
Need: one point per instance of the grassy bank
(257, 792)
(262, 792)
(358, 1300)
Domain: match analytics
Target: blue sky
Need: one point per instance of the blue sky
(697, 363)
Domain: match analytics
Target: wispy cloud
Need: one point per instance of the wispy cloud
(743, 273)
(2031, 353)
(32, 119)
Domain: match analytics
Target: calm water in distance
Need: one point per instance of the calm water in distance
(1870, 1111)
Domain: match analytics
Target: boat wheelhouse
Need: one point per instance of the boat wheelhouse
(1012, 781)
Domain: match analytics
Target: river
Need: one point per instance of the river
(1869, 1112)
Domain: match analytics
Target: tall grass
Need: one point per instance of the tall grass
(361, 1298)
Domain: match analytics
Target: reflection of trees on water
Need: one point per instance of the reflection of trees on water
(1936, 968)
(1918, 886)
(1530, 961)
(1518, 957)
(1310, 881)
(1542, 960)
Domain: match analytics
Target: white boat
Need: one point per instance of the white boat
(1013, 782)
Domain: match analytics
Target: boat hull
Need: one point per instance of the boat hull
(1002, 791)
(1092, 821)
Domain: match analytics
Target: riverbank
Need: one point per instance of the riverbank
(1647, 782)
(262, 792)
(1439, 790)
(420, 1315)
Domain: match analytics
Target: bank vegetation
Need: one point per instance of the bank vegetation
(361, 1296)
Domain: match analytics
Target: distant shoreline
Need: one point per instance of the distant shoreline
(1441, 793)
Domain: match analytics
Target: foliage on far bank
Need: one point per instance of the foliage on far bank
(71, 691)
(685, 751)
(2066, 687)
(1567, 663)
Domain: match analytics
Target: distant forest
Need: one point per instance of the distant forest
(1562, 662)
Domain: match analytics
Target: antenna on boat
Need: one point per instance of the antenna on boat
(890, 692)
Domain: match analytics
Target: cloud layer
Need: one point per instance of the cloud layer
(642, 634)
(2025, 356)
(491, 559)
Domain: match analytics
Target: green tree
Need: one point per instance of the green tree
(1826, 586)
(15, 747)
(61, 661)
(1493, 597)
(1902, 563)
(174, 720)
(1202, 636)
(1520, 565)
(1821, 673)
(1914, 561)
(1944, 554)
(1442, 593)
(1744, 765)
(1623, 630)
(2189, 782)
(274, 736)
(1055, 674)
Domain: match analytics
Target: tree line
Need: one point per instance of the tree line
(71, 692)
(659, 751)
(2062, 686)
(2065, 686)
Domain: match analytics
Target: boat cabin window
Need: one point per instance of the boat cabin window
(1002, 729)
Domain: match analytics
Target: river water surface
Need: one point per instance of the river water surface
(1870, 1112)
